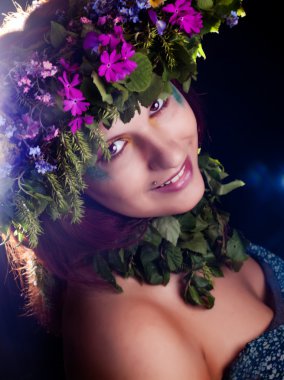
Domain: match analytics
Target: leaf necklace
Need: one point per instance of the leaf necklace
(197, 243)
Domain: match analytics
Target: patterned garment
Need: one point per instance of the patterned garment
(263, 357)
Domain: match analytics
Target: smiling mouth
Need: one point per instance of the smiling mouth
(174, 179)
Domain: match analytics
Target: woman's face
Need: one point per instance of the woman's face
(155, 147)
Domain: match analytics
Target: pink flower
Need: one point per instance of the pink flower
(109, 39)
(111, 68)
(127, 52)
(69, 87)
(52, 133)
(85, 20)
(67, 66)
(76, 105)
(184, 16)
(77, 123)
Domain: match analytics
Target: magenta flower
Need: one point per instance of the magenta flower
(109, 39)
(77, 123)
(185, 16)
(111, 68)
(69, 89)
(127, 52)
(91, 42)
(76, 104)
(67, 66)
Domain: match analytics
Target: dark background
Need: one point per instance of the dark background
(241, 84)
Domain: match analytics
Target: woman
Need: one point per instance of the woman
(145, 171)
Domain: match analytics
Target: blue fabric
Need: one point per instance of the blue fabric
(263, 357)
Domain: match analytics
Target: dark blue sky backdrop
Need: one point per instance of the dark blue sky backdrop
(241, 83)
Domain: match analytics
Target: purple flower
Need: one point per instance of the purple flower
(44, 167)
(111, 68)
(77, 123)
(49, 70)
(127, 52)
(67, 66)
(69, 89)
(76, 104)
(46, 99)
(35, 151)
(32, 127)
(184, 16)
(109, 39)
(91, 42)
(52, 133)
(5, 170)
(160, 24)
(233, 19)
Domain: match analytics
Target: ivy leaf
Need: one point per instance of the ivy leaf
(168, 227)
(148, 257)
(140, 79)
(197, 243)
(57, 34)
(147, 97)
(174, 257)
(236, 250)
(102, 268)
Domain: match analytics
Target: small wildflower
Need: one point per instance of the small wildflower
(111, 68)
(30, 127)
(184, 16)
(160, 24)
(156, 3)
(85, 20)
(52, 132)
(68, 67)
(44, 167)
(5, 170)
(91, 42)
(45, 99)
(48, 70)
(233, 19)
(69, 87)
(2, 121)
(35, 152)
(76, 104)
(77, 123)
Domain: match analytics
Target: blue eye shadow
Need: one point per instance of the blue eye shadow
(177, 95)
(97, 174)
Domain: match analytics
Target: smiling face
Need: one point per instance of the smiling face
(154, 168)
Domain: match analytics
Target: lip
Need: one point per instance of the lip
(181, 183)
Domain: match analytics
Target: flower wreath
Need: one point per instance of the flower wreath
(100, 61)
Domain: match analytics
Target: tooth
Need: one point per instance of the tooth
(166, 183)
(175, 179)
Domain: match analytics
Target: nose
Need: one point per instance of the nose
(163, 152)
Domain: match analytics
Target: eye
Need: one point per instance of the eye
(116, 147)
(157, 106)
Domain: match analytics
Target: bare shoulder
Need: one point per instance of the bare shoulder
(136, 341)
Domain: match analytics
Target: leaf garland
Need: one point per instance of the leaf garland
(197, 243)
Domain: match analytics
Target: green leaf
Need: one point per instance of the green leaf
(102, 268)
(140, 79)
(152, 236)
(174, 257)
(236, 250)
(57, 34)
(168, 227)
(205, 4)
(197, 243)
(100, 86)
(153, 92)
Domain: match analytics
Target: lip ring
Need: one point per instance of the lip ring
(173, 176)
(181, 183)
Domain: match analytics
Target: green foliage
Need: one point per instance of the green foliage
(57, 34)
(141, 77)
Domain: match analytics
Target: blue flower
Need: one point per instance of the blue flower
(35, 152)
(5, 170)
(44, 167)
(103, 7)
(233, 19)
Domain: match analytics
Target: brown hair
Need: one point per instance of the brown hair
(66, 249)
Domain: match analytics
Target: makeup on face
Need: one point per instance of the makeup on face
(177, 95)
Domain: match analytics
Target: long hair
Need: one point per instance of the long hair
(65, 250)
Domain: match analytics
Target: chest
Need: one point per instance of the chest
(238, 316)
